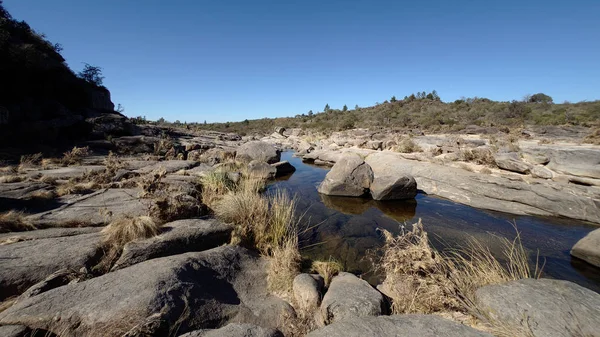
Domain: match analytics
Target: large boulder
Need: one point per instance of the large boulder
(261, 169)
(235, 330)
(25, 263)
(307, 290)
(257, 150)
(349, 297)
(398, 326)
(283, 168)
(177, 237)
(389, 180)
(588, 248)
(180, 293)
(350, 176)
(512, 162)
(576, 160)
(543, 307)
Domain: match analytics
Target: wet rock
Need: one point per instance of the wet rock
(177, 237)
(307, 291)
(187, 292)
(235, 330)
(350, 176)
(283, 168)
(544, 307)
(261, 169)
(257, 150)
(541, 172)
(23, 264)
(95, 209)
(398, 326)
(588, 248)
(511, 162)
(349, 297)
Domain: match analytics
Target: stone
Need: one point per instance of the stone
(25, 263)
(261, 169)
(350, 176)
(280, 130)
(177, 237)
(135, 144)
(307, 291)
(541, 172)
(544, 307)
(94, 209)
(575, 160)
(375, 145)
(69, 172)
(257, 150)
(512, 162)
(45, 234)
(169, 166)
(235, 330)
(349, 297)
(398, 326)
(283, 168)
(393, 187)
(195, 155)
(588, 248)
(14, 331)
(304, 148)
(187, 292)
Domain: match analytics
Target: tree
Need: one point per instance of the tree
(327, 108)
(435, 95)
(393, 99)
(310, 113)
(540, 98)
(92, 74)
(345, 108)
(356, 107)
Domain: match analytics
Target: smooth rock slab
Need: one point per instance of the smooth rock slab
(14, 331)
(548, 308)
(512, 162)
(170, 166)
(588, 248)
(97, 208)
(398, 326)
(349, 297)
(235, 330)
(202, 290)
(68, 172)
(257, 150)
(25, 263)
(350, 176)
(178, 237)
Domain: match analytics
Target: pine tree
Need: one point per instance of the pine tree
(327, 108)
(393, 99)
(345, 108)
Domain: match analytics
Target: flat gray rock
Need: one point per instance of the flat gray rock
(180, 293)
(45, 234)
(349, 297)
(588, 248)
(576, 160)
(14, 331)
(169, 166)
(235, 330)
(548, 308)
(94, 209)
(398, 326)
(350, 176)
(68, 172)
(257, 150)
(25, 263)
(181, 236)
(512, 162)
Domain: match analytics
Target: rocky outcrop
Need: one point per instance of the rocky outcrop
(14, 331)
(177, 237)
(235, 330)
(389, 182)
(25, 263)
(348, 298)
(581, 161)
(257, 150)
(185, 292)
(398, 326)
(512, 162)
(350, 176)
(588, 248)
(543, 307)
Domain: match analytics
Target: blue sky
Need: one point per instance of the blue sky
(196, 60)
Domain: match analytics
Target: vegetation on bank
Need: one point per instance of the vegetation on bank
(423, 111)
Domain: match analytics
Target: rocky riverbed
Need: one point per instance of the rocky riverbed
(189, 279)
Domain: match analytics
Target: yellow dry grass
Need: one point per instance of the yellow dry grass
(327, 269)
(14, 221)
(126, 229)
(75, 156)
(9, 179)
(30, 160)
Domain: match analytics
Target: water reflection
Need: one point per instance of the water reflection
(347, 228)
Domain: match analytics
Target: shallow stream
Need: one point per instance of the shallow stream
(345, 229)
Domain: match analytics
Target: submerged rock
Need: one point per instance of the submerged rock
(543, 307)
(588, 248)
(398, 326)
(350, 176)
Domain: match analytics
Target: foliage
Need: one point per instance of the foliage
(91, 74)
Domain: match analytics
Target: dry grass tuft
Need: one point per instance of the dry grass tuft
(48, 180)
(126, 229)
(30, 160)
(593, 137)
(75, 156)
(214, 185)
(327, 269)
(14, 221)
(9, 179)
(481, 156)
(43, 195)
(284, 266)
(407, 145)
(248, 211)
(175, 206)
(75, 187)
(152, 182)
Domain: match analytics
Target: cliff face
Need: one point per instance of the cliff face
(41, 98)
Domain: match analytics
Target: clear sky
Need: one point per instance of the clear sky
(196, 60)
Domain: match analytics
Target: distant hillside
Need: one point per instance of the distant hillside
(427, 112)
(41, 99)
